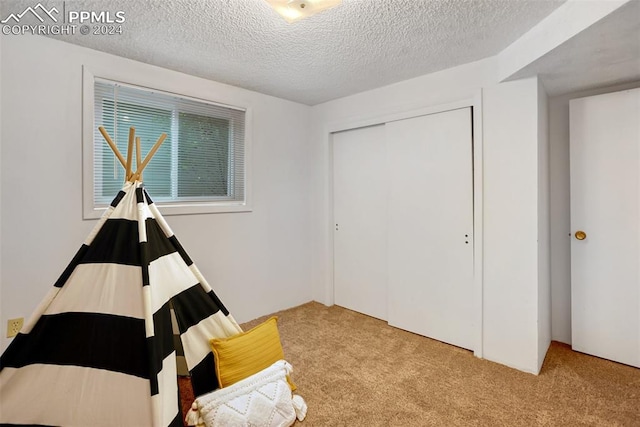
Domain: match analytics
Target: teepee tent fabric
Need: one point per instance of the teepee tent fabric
(99, 350)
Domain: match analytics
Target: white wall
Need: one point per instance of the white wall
(510, 138)
(544, 220)
(257, 262)
(510, 310)
(560, 209)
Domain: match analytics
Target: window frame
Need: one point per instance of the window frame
(137, 77)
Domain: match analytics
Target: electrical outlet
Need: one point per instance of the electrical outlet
(14, 326)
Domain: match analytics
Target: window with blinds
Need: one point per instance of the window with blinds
(201, 161)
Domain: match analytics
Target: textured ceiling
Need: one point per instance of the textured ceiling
(605, 54)
(360, 45)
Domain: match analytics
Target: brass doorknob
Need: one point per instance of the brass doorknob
(580, 235)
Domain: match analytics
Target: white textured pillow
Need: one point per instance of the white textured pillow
(263, 399)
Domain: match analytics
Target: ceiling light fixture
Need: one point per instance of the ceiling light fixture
(294, 10)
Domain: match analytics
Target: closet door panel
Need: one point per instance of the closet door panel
(430, 225)
(360, 220)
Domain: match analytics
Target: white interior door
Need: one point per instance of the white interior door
(430, 247)
(360, 216)
(605, 281)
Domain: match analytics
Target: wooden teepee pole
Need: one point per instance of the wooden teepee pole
(138, 156)
(132, 133)
(113, 146)
(126, 164)
(147, 159)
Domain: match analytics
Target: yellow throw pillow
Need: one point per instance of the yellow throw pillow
(247, 353)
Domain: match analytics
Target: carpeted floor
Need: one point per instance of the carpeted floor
(354, 370)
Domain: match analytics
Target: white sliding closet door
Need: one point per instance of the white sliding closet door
(360, 214)
(430, 242)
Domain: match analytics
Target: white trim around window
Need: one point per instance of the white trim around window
(134, 76)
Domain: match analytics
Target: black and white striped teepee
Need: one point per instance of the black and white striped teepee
(99, 350)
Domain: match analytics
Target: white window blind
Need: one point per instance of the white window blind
(201, 161)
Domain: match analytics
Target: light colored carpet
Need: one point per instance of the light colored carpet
(354, 370)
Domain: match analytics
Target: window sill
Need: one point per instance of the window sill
(182, 209)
